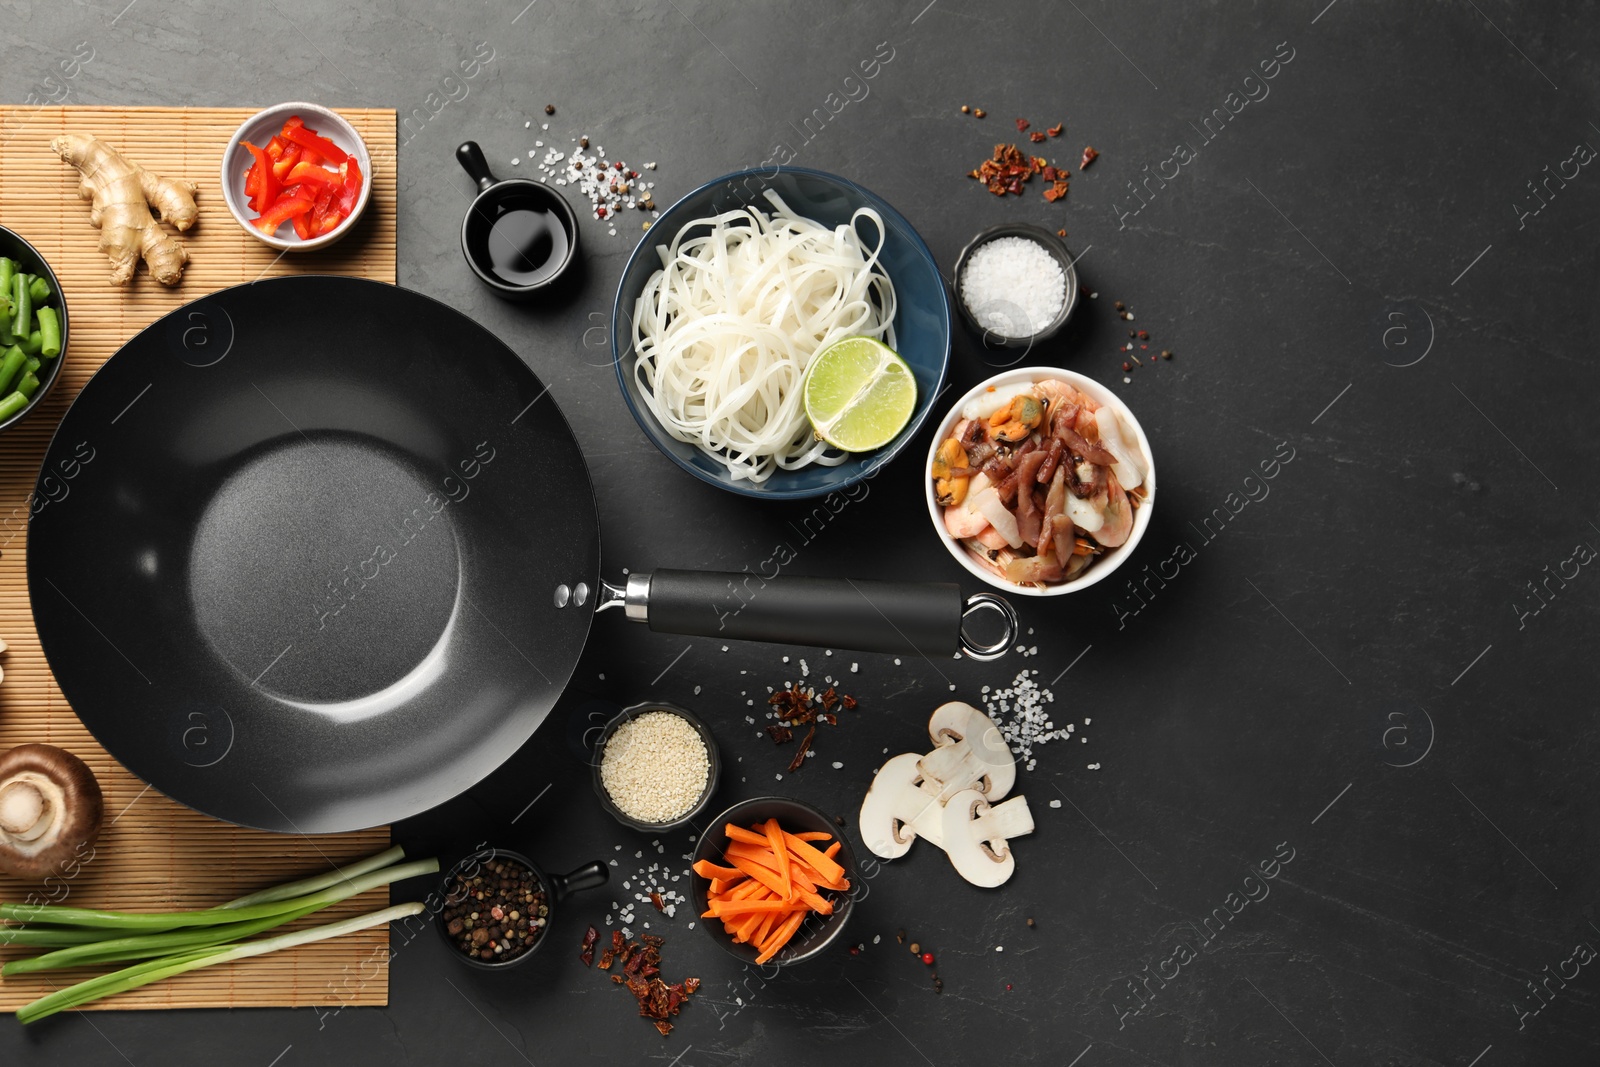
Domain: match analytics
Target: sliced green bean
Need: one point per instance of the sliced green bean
(8, 270)
(30, 367)
(28, 385)
(22, 319)
(10, 366)
(39, 289)
(12, 404)
(32, 344)
(49, 333)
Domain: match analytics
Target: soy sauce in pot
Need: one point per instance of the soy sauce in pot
(525, 245)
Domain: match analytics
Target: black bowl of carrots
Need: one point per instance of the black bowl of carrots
(33, 328)
(773, 881)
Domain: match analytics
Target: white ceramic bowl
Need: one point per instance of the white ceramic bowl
(1107, 563)
(258, 129)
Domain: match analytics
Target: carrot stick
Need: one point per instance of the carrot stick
(765, 928)
(707, 869)
(739, 833)
(823, 865)
(780, 937)
(815, 835)
(831, 851)
(764, 876)
(723, 908)
(775, 837)
(747, 928)
(746, 889)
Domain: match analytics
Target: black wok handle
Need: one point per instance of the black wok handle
(916, 618)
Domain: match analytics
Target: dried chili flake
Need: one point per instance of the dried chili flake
(1022, 124)
(829, 698)
(1055, 131)
(586, 951)
(655, 898)
(1036, 136)
(1089, 156)
(805, 747)
(781, 735)
(691, 986)
(849, 702)
(1049, 174)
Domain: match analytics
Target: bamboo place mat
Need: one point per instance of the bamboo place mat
(153, 853)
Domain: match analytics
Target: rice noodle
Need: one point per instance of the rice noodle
(725, 330)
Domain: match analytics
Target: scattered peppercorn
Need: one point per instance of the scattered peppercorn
(916, 949)
(965, 110)
(549, 109)
(583, 142)
(927, 957)
(1144, 335)
(980, 113)
(838, 820)
(1032, 923)
(900, 936)
(1125, 365)
(1120, 306)
(1165, 354)
(855, 950)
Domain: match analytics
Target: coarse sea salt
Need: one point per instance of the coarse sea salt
(1013, 286)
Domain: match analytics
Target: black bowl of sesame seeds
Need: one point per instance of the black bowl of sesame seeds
(498, 906)
(655, 766)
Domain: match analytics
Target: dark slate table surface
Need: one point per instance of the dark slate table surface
(1381, 262)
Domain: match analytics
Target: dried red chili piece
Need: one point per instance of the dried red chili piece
(606, 959)
(586, 952)
(691, 985)
(663, 1026)
(805, 747)
(781, 735)
(655, 898)
(654, 942)
(1055, 131)
(1048, 174)
(1089, 156)
(1022, 124)
(831, 719)
(849, 702)
(1036, 136)
(829, 698)
(617, 978)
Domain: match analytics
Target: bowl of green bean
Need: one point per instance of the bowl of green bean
(33, 328)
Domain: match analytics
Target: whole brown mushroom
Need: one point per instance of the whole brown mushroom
(50, 809)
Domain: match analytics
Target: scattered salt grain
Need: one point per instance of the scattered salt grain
(1055, 803)
(997, 948)
(837, 765)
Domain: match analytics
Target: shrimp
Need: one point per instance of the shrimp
(1115, 512)
(1056, 391)
(960, 519)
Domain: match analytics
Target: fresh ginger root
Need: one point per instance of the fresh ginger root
(121, 195)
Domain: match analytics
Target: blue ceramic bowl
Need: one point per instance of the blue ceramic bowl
(922, 316)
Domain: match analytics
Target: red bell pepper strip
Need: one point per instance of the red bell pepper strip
(275, 148)
(294, 120)
(308, 156)
(330, 223)
(351, 193)
(286, 207)
(261, 184)
(323, 206)
(285, 163)
(320, 145)
(302, 227)
(310, 172)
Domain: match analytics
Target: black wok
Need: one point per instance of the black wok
(315, 554)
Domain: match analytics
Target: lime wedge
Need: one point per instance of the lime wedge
(859, 394)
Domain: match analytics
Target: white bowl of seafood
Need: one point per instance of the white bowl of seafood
(1040, 481)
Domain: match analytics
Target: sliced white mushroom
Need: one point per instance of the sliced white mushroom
(896, 810)
(984, 762)
(977, 836)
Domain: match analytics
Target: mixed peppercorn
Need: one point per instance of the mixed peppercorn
(497, 913)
